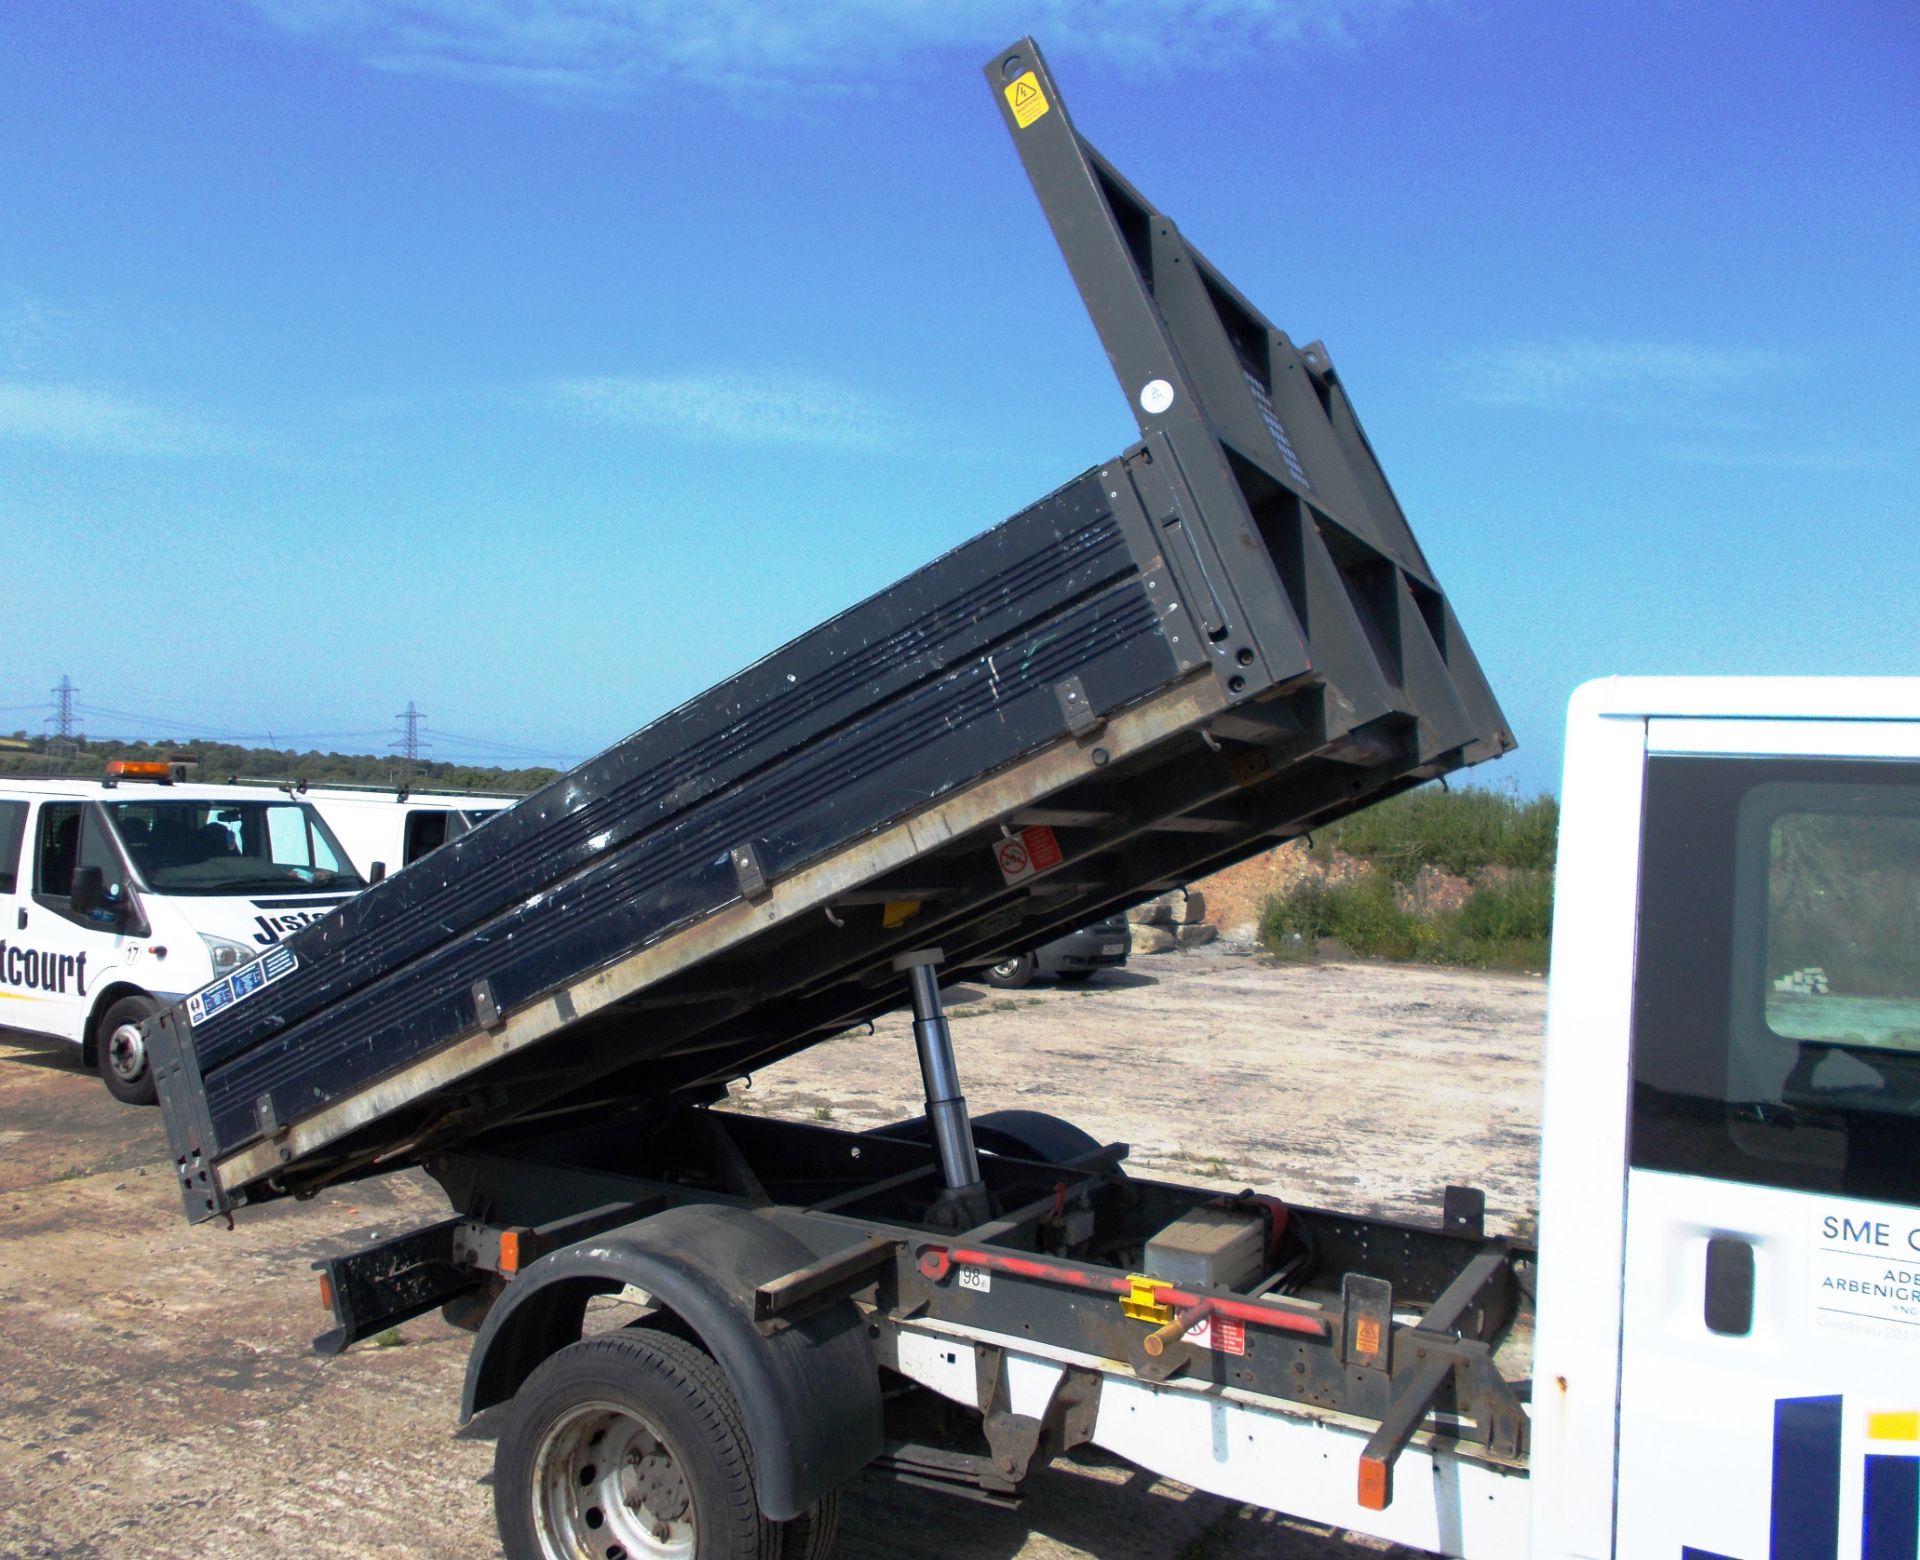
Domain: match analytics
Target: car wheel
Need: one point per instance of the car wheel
(121, 1051)
(629, 1446)
(1011, 974)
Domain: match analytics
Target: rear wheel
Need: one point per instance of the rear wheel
(121, 1051)
(810, 1535)
(629, 1446)
(1011, 974)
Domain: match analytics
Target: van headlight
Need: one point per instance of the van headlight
(225, 955)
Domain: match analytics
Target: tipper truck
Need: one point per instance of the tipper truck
(1216, 641)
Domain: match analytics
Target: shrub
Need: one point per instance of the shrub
(1502, 925)
(1517, 909)
(1365, 916)
(1463, 832)
(1293, 922)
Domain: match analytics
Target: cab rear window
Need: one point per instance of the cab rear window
(1843, 922)
(1776, 1018)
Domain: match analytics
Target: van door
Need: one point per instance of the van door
(59, 953)
(18, 1000)
(1770, 1365)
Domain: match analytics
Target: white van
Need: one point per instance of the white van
(119, 896)
(384, 830)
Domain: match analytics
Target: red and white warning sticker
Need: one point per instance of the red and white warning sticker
(1029, 853)
(1221, 1333)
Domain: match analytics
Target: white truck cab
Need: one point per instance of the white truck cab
(118, 896)
(385, 829)
(1728, 1353)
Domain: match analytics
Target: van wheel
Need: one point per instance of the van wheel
(629, 1446)
(122, 1052)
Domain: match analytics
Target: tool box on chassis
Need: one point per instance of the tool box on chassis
(1217, 640)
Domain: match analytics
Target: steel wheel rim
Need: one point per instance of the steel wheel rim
(127, 1053)
(1005, 969)
(606, 1486)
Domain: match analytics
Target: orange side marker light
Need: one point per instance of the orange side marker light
(1376, 1483)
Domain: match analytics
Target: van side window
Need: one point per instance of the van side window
(1776, 1027)
(69, 838)
(59, 849)
(13, 828)
(426, 830)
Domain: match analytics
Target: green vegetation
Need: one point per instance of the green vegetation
(1503, 848)
(1462, 832)
(217, 761)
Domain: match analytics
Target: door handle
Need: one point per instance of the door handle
(1729, 1299)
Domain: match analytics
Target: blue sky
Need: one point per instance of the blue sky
(543, 363)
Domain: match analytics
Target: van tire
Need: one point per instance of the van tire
(124, 1068)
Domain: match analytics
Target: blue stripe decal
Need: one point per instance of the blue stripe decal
(1806, 1479)
(1891, 1528)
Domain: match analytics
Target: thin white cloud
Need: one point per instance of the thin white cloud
(1583, 372)
(29, 328)
(75, 417)
(750, 49)
(722, 408)
(1768, 457)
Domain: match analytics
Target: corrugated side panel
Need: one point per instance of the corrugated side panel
(946, 676)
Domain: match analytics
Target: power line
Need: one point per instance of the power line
(491, 746)
(178, 725)
(223, 733)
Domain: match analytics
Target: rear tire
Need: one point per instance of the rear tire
(121, 1053)
(629, 1446)
(810, 1535)
(1011, 974)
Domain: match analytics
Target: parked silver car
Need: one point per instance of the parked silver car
(1078, 956)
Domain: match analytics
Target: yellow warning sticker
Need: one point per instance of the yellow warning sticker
(1026, 100)
(1366, 1336)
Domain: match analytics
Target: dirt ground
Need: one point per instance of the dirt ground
(159, 1397)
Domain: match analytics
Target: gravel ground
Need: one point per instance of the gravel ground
(160, 1397)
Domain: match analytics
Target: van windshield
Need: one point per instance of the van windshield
(181, 847)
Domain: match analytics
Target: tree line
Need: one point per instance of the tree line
(219, 761)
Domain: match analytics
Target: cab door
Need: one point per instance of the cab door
(19, 1005)
(59, 955)
(1769, 1401)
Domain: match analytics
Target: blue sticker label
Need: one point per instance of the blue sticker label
(242, 983)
